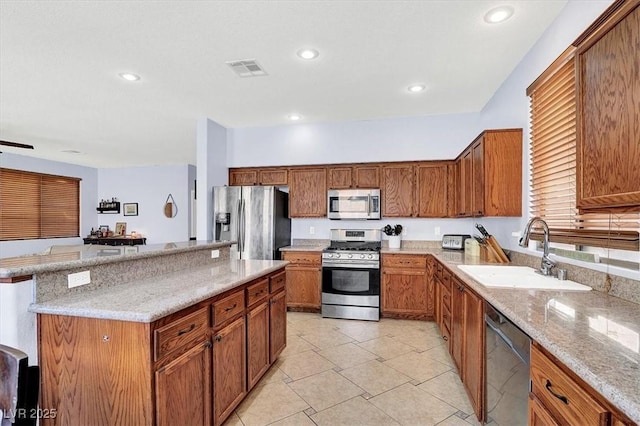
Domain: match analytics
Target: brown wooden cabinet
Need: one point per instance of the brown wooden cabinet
(490, 175)
(274, 176)
(461, 322)
(433, 189)
(183, 388)
(258, 360)
(304, 280)
(405, 291)
(179, 360)
(241, 177)
(229, 369)
(354, 176)
(608, 112)
(397, 190)
(538, 415)
(308, 192)
(277, 324)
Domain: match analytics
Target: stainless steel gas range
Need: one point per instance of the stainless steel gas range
(351, 275)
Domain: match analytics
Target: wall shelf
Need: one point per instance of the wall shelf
(112, 207)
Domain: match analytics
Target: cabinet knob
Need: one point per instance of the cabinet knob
(208, 344)
(218, 338)
(105, 338)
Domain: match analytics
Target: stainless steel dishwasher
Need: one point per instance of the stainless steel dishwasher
(507, 371)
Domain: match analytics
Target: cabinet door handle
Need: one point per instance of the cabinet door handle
(258, 293)
(208, 344)
(218, 338)
(186, 330)
(231, 307)
(557, 395)
(445, 338)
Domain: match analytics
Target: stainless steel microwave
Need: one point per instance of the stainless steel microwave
(353, 204)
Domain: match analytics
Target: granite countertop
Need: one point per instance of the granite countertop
(594, 334)
(67, 257)
(151, 299)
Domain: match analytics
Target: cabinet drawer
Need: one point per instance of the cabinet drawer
(565, 398)
(179, 333)
(303, 258)
(257, 291)
(227, 308)
(277, 281)
(395, 261)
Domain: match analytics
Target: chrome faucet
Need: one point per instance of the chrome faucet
(547, 264)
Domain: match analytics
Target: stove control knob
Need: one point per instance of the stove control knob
(337, 255)
(350, 256)
(329, 255)
(370, 256)
(362, 256)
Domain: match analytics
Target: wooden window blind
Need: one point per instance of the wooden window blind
(34, 205)
(553, 167)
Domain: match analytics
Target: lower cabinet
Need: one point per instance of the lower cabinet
(277, 325)
(406, 290)
(304, 280)
(192, 367)
(183, 388)
(229, 369)
(461, 322)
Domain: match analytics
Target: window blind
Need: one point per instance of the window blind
(34, 205)
(553, 167)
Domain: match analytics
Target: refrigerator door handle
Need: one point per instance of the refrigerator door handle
(238, 225)
(243, 227)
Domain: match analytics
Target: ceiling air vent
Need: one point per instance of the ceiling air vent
(247, 68)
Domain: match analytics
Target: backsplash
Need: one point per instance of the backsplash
(621, 287)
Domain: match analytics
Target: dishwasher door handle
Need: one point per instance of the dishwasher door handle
(492, 325)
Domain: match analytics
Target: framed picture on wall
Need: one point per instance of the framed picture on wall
(121, 229)
(130, 209)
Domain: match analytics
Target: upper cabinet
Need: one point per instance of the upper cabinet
(308, 192)
(397, 190)
(608, 111)
(356, 176)
(433, 188)
(276, 176)
(490, 175)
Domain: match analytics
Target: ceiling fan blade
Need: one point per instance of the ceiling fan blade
(16, 144)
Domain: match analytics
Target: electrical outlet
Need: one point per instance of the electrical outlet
(436, 231)
(78, 279)
(215, 254)
(312, 230)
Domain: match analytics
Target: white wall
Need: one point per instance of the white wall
(88, 190)
(211, 150)
(149, 187)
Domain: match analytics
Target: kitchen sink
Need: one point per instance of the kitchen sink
(518, 277)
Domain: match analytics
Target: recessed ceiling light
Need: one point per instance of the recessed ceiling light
(308, 53)
(129, 76)
(294, 117)
(416, 88)
(498, 14)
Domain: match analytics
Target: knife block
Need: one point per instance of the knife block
(489, 254)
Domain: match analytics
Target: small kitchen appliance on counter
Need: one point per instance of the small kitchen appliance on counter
(351, 275)
(454, 241)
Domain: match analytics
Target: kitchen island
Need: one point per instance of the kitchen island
(177, 322)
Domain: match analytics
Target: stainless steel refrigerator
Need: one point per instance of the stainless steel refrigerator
(257, 217)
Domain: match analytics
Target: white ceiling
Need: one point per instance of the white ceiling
(60, 60)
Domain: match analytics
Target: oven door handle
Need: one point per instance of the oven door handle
(492, 325)
(349, 266)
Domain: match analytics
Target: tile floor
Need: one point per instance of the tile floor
(344, 372)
